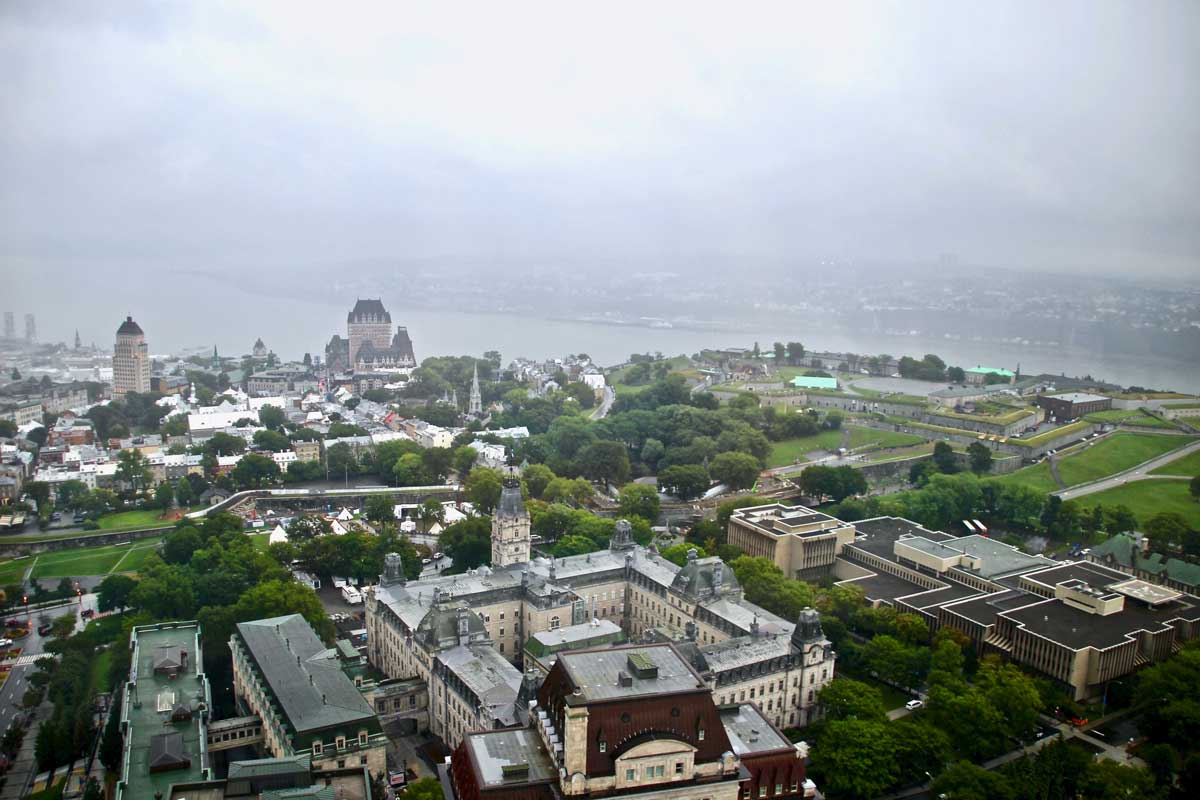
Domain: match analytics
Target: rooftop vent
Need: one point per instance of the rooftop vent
(624, 679)
(515, 770)
(642, 667)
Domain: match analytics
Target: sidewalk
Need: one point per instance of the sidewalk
(24, 766)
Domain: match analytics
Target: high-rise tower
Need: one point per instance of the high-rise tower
(30, 328)
(510, 526)
(131, 360)
(10, 326)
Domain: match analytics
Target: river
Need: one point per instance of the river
(190, 310)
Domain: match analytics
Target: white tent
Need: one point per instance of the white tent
(337, 528)
(278, 535)
(345, 515)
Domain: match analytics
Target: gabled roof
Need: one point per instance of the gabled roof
(166, 752)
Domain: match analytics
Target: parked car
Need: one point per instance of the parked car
(6, 642)
(913, 705)
(87, 613)
(43, 629)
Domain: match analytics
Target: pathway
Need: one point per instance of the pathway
(1054, 473)
(1137, 473)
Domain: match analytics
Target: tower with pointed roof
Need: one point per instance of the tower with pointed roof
(369, 322)
(475, 405)
(511, 535)
(78, 344)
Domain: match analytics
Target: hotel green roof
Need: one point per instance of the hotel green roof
(987, 370)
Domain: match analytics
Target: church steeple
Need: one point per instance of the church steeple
(77, 342)
(475, 404)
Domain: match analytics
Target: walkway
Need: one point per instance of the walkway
(1138, 473)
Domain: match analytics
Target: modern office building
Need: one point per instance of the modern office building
(802, 542)
(131, 360)
(1081, 624)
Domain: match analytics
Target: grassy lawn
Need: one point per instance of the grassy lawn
(261, 540)
(1114, 454)
(860, 437)
(126, 520)
(1134, 416)
(1036, 477)
(1188, 465)
(789, 450)
(1147, 498)
(94, 560)
(11, 572)
(1191, 422)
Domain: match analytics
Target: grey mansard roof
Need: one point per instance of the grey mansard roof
(365, 308)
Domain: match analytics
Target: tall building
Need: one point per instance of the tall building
(475, 406)
(30, 328)
(131, 360)
(511, 535)
(78, 343)
(10, 326)
(368, 322)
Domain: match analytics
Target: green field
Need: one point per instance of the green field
(1135, 417)
(130, 520)
(1036, 477)
(1188, 465)
(1191, 422)
(1114, 454)
(83, 561)
(1110, 455)
(1147, 498)
(787, 451)
(12, 572)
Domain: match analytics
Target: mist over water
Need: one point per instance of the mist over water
(196, 310)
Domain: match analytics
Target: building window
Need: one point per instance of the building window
(362, 737)
(603, 746)
(501, 615)
(779, 788)
(678, 767)
(554, 623)
(795, 786)
(317, 748)
(502, 631)
(502, 647)
(700, 734)
(341, 763)
(762, 791)
(341, 743)
(649, 772)
(362, 760)
(487, 617)
(629, 774)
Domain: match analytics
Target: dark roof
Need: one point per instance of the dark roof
(166, 752)
(1076, 629)
(303, 675)
(511, 504)
(263, 767)
(364, 308)
(129, 328)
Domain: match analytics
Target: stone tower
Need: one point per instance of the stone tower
(475, 406)
(510, 527)
(393, 570)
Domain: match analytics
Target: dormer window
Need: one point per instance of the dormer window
(317, 748)
(341, 743)
(362, 737)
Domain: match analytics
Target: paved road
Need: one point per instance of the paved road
(605, 406)
(1138, 473)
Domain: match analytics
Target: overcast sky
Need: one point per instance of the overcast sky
(1054, 135)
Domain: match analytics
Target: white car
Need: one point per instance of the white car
(913, 705)
(6, 642)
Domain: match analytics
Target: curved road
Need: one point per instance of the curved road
(1138, 473)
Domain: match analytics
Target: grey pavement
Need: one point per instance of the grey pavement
(605, 406)
(1137, 473)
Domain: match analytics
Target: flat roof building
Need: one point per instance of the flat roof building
(1071, 405)
(802, 542)
(164, 711)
